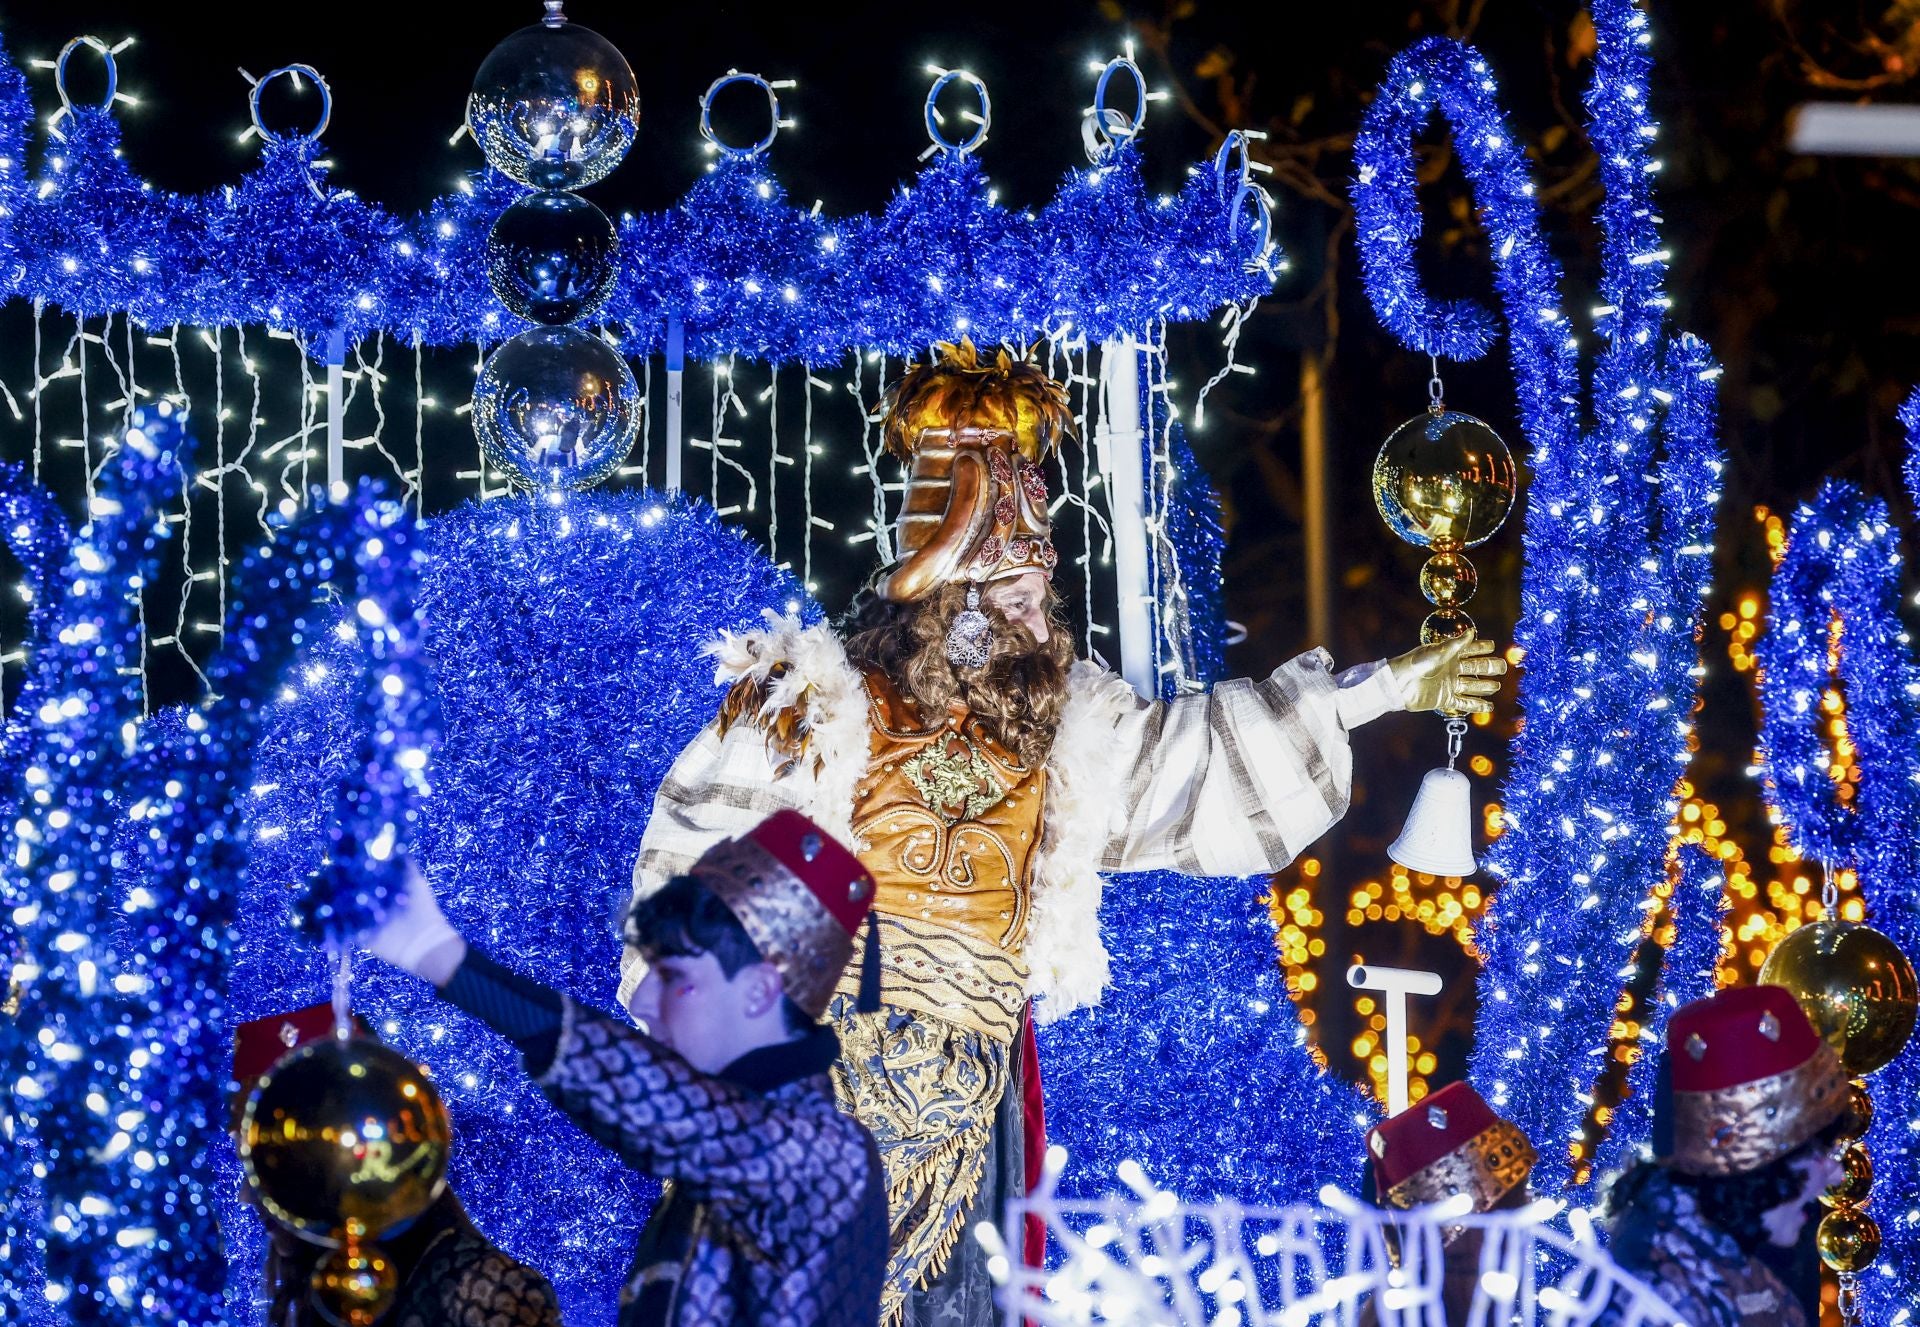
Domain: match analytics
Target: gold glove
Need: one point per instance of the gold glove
(1450, 676)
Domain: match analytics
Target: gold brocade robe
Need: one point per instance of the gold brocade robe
(949, 819)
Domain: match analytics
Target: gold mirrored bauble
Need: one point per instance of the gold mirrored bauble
(1448, 580)
(354, 1285)
(1857, 987)
(345, 1135)
(1859, 1116)
(1444, 480)
(1848, 1240)
(1445, 625)
(1856, 1182)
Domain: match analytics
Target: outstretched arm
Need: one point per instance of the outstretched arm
(723, 784)
(1241, 780)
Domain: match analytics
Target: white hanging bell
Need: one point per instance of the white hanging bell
(1438, 835)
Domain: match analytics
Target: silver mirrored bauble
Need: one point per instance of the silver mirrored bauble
(556, 408)
(555, 106)
(550, 257)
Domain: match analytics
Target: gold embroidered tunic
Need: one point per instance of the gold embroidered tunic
(949, 820)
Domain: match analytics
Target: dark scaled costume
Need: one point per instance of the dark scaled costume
(1748, 1092)
(775, 1211)
(1696, 1267)
(460, 1279)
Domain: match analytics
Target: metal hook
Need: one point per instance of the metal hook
(293, 71)
(773, 107)
(1106, 129)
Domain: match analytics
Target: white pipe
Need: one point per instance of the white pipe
(1122, 445)
(1395, 984)
(676, 399)
(1839, 129)
(336, 414)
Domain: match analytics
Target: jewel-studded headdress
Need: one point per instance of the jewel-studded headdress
(800, 896)
(973, 433)
(1448, 1143)
(1751, 1080)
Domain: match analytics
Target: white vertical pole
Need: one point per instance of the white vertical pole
(676, 398)
(1395, 984)
(1122, 443)
(336, 413)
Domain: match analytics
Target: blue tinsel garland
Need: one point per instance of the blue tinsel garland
(194, 875)
(36, 534)
(1618, 535)
(746, 271)
(1195, 1063)
(1843, 564)
(1687, 973)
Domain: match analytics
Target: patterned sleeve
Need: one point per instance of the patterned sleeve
(667, 1119)
(493, 1290)
(1241, 780)
(719, 787)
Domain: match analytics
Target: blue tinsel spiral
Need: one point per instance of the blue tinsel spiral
(1619, 528)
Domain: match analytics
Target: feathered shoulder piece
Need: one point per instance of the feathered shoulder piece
(957, 391)
(778, 679)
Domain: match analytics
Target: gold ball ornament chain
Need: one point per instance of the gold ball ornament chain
(1859, 991)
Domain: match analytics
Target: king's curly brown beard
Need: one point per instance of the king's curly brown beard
(1017, 694)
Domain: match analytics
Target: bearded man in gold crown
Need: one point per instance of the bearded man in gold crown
(986, 777)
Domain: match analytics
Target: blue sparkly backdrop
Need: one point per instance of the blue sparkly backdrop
(565, 643)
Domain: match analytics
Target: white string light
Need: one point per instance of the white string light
(1146, 1257)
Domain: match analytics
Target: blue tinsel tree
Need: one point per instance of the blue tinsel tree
(1842, 568)
(1618, 535)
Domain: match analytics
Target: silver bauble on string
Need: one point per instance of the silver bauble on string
(550, 258)
(555, 105)
(556, 408)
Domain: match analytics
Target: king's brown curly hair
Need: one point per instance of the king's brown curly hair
(1017, 694)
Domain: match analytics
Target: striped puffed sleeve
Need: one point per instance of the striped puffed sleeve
(719, 787)
(1240, 780)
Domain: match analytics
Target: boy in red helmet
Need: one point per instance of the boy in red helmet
(1449, 1145)
(1721, 1221)
(775, 1212)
